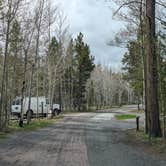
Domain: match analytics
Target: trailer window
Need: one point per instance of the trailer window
(18, 102)
(47, 101)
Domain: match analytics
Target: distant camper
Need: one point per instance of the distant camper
(43, 106)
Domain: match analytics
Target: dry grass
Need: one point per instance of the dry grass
(137, 111)
(155, 146)
(34, 125)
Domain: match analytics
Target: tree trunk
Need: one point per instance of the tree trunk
(143, 63)
(2, 99)
(151, 72)
(30, 94)
(22, 99)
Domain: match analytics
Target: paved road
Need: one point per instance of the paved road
(85, 139)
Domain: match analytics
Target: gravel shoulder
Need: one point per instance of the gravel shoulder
(85, 139)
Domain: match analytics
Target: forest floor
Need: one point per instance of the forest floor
(155, 146)
(79, 139)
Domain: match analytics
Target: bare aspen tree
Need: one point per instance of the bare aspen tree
(50, 18)
(61, 33)
(29, 113)
(69, 66)
(109, 88)
(8, 13)
(38, 23)
(27, 36)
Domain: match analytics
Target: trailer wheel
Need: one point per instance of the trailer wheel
(30, 112)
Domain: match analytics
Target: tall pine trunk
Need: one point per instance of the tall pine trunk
(151, 72)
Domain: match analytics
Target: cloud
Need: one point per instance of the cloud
(94, 19)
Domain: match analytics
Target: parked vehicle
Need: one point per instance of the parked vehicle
(56, 109)
(42, 105)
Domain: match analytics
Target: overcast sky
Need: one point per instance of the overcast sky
(94, 19)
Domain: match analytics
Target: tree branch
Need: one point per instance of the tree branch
(160, 4)
(162, 21)
(128, 3)
(125, 4)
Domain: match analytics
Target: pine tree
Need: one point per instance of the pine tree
(151, 71)
(84, 67)
(91, 94)
(133, 66)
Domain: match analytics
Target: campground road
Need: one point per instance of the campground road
(81, 139)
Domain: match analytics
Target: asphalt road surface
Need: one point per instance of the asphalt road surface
(83, 139)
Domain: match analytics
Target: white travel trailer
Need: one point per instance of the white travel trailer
(43, 106)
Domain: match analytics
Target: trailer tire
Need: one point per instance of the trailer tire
(30, 113)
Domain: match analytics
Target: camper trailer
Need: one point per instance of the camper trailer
(42, 103)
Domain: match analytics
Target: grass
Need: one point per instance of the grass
(125, 116)
(3, 135)
(34, 125)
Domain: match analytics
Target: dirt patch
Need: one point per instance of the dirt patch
(155, 146)
(137, 111)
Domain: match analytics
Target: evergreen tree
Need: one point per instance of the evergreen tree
(91, 94)
(133, 66)
(84, 66)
